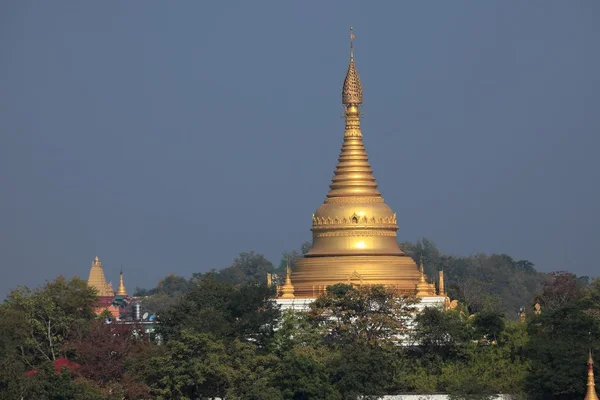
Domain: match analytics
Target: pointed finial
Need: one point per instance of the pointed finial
(422, 269)
(352, 89)
(352, 42)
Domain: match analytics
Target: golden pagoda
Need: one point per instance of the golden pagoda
(287, 290)
(591, 385)
(354, 231)
(424, 289)
(97, 280)
(121, 291)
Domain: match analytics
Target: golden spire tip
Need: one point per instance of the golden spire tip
(352, 89)
(352, 42)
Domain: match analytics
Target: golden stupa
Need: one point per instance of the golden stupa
(121, 291)
(591, 385)
(97, 280)
(354, 231)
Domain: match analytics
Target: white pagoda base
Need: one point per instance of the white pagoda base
(304, 304)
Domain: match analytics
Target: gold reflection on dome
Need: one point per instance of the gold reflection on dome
(354, 231)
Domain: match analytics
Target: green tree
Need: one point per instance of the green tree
(247, 266)
(489, 324)
(42, 320)
(253, 373)
(165, 294)
(484, 372)
(224, 311)
(363, 369)
(294, 330)
(304, 374)
(443, 333)
(193, 365)
(558, 346)
(368, 314)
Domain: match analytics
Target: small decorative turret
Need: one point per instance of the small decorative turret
(422, 286)
(121, 291)
(441, 289)
(287, 290)
(591, 385)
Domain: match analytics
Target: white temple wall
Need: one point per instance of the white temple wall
(304, 304)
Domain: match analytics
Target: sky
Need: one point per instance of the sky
(168, 137)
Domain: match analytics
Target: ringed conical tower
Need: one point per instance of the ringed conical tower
(97, 279)
(121, 291)
(354, 231)
(591, 384)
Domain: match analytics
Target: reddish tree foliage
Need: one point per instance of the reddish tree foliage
(105, 354)
(560, 289)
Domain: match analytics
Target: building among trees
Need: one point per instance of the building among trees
(107, 298)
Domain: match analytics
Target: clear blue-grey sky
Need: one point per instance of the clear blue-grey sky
(167, 137)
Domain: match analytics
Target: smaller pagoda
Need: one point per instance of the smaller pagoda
(121, 300)
(107, 300)
(591, 385)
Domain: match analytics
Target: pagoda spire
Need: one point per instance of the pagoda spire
(591, 385)
(441, 288)
(97, 279)
(353, 175)
(287, 290)
(121, 291)
(423, 288)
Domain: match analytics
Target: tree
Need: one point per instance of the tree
(426, 249)
(193, 365)
(304, 374)
(367, 314)
(42, 320)
(443, 333)
(484, 372)
(222, 310)
(560, 338)
(488, 324)
(104, 355)
(475, 294)
(559, 289)
(294, 330)
(525, 265)
(247, 266)
(253, 373)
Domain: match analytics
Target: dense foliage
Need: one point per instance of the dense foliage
(481, 281)
(222, 335)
